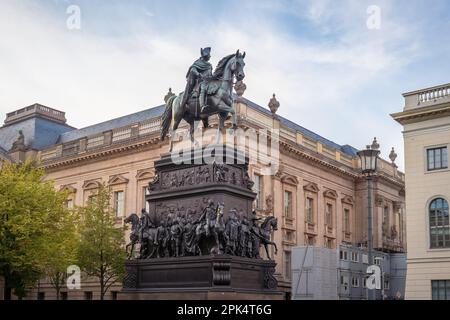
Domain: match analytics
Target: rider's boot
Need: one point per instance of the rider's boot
(202, 101)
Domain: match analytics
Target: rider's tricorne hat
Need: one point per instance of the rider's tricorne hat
(205, 51)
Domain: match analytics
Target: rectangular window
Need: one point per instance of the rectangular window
(346, 220)
(287, 264)
(365, 258)
(310, 240)
(440, 289)
(329, 243)
(355, 282)
(113, 295)
(437, 158)
(378, 260)
(92, 199)
(355, 257)
(41, 296)
(344, 282)
(364, 282)
(258, 189)
(64, 296)
(119, 203)
(69, 204)
(145, 204)
(343, 255)
(329, 215)
(289, 236)
(88, 295)
(386, 284)
(288, 204)
(310, 210)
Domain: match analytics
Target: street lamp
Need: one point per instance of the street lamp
(369, 158)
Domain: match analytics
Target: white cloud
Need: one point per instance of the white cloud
(95, 77)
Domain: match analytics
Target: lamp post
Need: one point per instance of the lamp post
(369, 158)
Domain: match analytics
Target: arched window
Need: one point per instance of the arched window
(439, 224)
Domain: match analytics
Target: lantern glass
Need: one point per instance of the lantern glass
(369, 159)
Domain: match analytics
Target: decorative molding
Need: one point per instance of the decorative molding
(348, 200)
(289, 179)
(312, 187)
(68, 187)
(145, 174)
(397, 206)
(330, 194)
(117, 179)
(91, 184)
(380, 200)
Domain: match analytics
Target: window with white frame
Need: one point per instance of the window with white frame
(145, 204)
(355, 282)
(119, 203)
(258, 189)
(437, 158)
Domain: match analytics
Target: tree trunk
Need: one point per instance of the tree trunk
(58, 289)
(102, 284)
(7, 289)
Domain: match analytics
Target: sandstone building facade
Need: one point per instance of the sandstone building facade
(426, 123)
(317, 193)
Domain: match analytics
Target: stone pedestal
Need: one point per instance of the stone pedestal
(200, 278)
(188, 180)
(183, 187)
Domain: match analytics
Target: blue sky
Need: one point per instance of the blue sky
(330, 72)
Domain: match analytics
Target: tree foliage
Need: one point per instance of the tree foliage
(31, 214)
(101, 251)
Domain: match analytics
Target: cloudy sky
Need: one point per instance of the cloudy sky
(331, 73)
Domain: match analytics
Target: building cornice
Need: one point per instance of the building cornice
(421, 114)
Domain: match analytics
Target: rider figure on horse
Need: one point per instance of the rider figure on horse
(209, 215)
(199, 72)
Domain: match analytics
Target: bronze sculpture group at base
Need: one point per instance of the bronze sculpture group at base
(190, 234)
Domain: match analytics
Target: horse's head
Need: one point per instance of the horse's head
(274, 223)
(270, 223)
(132, 218)
(238, 66)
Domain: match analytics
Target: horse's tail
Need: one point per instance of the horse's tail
(167, 117)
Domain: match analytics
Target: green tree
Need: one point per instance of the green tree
(29, 207)
(101, 252)
(61, 249)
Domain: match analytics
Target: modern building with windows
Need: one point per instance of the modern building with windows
(340, 273)
(426, 130)
(317, 193)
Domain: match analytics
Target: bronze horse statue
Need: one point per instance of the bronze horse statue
(134, 236)
(219, 100)
(263, 234)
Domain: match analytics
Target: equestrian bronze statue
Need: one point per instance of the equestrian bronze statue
(207, 93)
